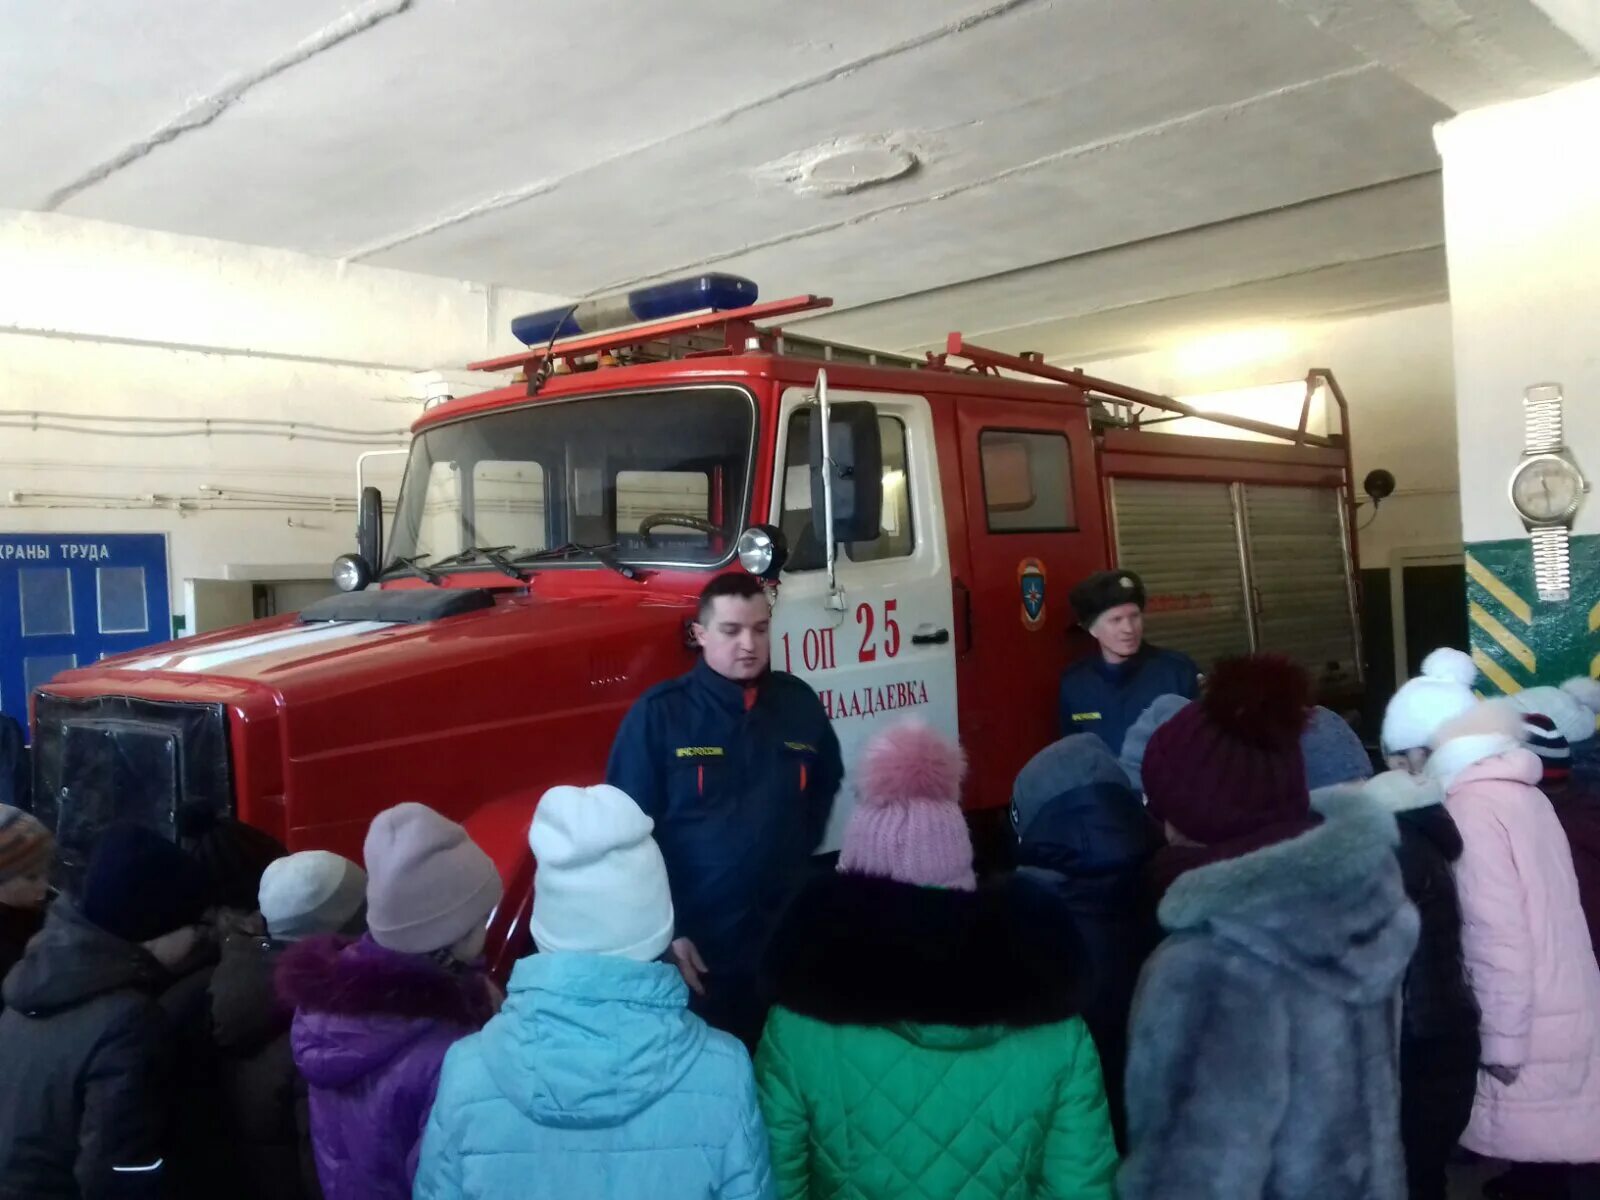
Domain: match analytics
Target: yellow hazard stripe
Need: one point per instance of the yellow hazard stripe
(1509, 642)
(1494, 671)
(1513, 603)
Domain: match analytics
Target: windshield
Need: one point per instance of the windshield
(655, 478)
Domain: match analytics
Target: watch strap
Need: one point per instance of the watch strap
(1552, 564)
(1542, 431)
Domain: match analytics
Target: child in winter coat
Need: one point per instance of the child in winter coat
(86, 1048)
(200, 1157)
(262, 1098)
(1568, 713)
(1225, 774)
(926, 1040)
(26, 853)
(1084, 838)
(1263, 1046)
(374, 1018)
(1526, 947)
(595, 1080)
(1439, 1014)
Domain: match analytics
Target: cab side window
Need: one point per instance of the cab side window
(896, 538)
(1027, 481)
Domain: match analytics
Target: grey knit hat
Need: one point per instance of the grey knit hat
(1162, 709)
(1073, 762)
(428, 883)
(312, 892)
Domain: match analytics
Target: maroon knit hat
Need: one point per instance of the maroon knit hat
(1230, 763)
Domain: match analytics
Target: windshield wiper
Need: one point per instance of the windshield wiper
(495, 556)
(602, 555)
(414, 565)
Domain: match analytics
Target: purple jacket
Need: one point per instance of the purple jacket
(371, 1029)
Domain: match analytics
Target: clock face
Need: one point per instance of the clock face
(1546, 489)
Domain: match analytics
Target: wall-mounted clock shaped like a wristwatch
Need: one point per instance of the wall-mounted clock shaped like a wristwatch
(1547, 489)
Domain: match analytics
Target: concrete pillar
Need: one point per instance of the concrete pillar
(1522, 230)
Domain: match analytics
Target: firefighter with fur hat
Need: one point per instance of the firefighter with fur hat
(1106, 691)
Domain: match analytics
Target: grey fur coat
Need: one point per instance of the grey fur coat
(1264, 1045)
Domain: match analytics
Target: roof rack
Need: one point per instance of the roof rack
(995, 361)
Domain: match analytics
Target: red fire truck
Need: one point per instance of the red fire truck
(550, 537)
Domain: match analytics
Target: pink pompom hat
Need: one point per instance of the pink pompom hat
(908, 825)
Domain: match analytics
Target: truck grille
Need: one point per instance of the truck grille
(118, 758)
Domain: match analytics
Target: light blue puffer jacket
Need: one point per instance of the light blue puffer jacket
(595, 1081)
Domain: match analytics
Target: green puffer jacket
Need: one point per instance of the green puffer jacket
(925, 1047)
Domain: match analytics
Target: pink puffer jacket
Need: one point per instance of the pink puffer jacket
(1528, 956)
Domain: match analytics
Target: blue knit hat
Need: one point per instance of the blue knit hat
(140, 886)
(1333, 752)
(1079, 761)
(1162, 709)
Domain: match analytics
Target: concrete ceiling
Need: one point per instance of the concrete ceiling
(1078, 177)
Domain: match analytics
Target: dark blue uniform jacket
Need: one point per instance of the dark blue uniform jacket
(1097, 697)
(740, 797)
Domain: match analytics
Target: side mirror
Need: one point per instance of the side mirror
(856, 448)
(369, 527)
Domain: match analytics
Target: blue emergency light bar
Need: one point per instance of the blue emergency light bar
(657, 302)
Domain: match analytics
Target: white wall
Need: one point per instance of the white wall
(103, 323)
(1395, 369)
(1522, 218)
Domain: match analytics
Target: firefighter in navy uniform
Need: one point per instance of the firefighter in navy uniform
(1107, 691)
(738, 766)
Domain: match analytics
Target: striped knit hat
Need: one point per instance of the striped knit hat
(1554, 752)
(26, 846)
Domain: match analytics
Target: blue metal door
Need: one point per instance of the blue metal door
(68, 599)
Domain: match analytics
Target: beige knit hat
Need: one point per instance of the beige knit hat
(26, 846)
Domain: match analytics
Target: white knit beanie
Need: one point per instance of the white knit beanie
(1572, 706)
(1441, 693)
(601, 885)
(310, 893)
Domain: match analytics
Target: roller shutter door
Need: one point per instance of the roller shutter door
(1301, 575)
(1183, 540)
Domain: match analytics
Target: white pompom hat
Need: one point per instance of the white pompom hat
(1573, 706)
(1439, 695)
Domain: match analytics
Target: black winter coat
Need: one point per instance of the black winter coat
(16, 779)
(85, 1047)
(17, 927)
(1438, 1000)
(1085, 855)
(263, 1098)
(1438, 1004)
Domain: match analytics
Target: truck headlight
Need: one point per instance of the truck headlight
(763, 550)
(351, 573)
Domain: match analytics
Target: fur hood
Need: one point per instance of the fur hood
(1416, 801)
(361, 979)
(1328, 905)
(1488, 730)
(858, 951)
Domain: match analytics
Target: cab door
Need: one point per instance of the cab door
(1035, 527)
(882, 647)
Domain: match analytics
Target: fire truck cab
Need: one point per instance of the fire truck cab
(551, 536)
